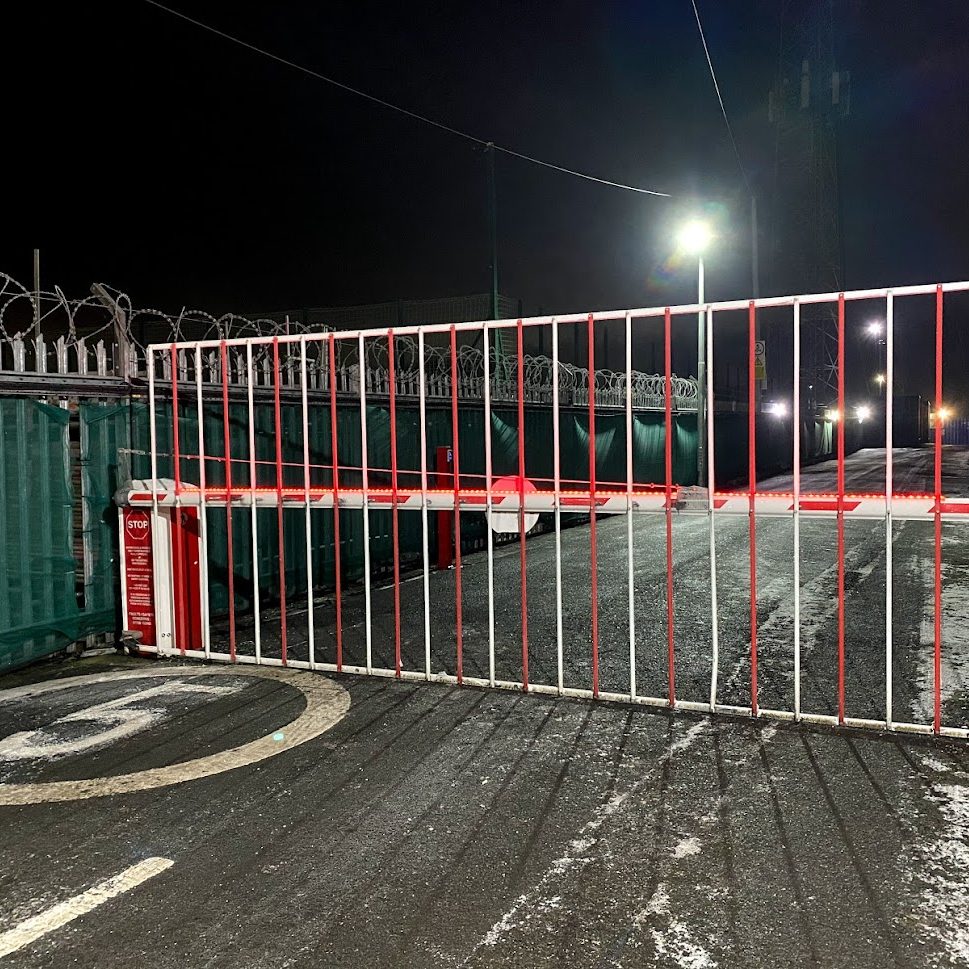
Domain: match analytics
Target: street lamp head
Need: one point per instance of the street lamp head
(863, 412)
(874, 328)
(694, 237)
(880, 379)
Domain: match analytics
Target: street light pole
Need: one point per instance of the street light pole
(693, 238)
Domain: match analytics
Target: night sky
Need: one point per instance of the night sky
(147, 153)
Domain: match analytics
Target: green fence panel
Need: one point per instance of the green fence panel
(39, 613)
(104, 436)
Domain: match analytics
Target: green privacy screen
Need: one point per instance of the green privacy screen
(648, 462)
(38, 607)
(58, 525)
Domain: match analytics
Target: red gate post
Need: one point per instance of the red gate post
(443, 460)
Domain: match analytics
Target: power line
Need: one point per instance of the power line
(394, 107)
(716, 87)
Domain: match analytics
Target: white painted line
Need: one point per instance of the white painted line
(115, 718)
(39, 925)
(326, 704)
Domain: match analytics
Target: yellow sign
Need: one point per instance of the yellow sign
(760, 360)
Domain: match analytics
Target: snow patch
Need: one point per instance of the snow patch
(944, 874)
(955, 636)
(686, 741)
(673, 940)
(687, 847)
(935, 765)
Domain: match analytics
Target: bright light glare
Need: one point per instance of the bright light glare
(874, 328)
(879, 379)
(863, 412)
(943, 413)
(778, 408)
(831, 414)
(694, 237)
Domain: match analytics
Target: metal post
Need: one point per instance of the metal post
(36, 292)
(701, 382)
(493, 228)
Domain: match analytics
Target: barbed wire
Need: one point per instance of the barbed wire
(106, 324)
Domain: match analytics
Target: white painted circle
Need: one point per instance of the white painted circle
(505, 522)
(326, 704)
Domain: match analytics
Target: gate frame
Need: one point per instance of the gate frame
(889, 506)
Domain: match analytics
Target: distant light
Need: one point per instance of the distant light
(831, 414)
(778, 408)
(943, 413)
(863, 412)
(874, 328)
(879, 379)
(694, 237)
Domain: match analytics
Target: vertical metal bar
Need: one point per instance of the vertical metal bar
(153, 447)
(230, 559)
(711, 485)
(841, 507)
(889, 491)
(365, 479)
(253, 482)
(308, 518)
(335, 455)
(203, 509)
(489, 504)
(392, 377)
(752, 492)
(557, 484)
(456, 482)
(937, 677)
(668, 449)
(181, 613)
(176, 451)
(630, 578)
(278, 424)
(425, 549)
(796, 417)
(521, 503)
(593, 544)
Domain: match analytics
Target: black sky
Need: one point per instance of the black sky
(146, 153)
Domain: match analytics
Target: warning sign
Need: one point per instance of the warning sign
(139, 581)
(760, 360)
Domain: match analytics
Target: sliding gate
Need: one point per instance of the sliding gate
(825, 603)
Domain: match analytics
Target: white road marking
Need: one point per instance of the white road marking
(326, 704)
(59, 915)
(114, 718)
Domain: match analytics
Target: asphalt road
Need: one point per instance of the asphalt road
(437, 826)
(865, 619)
(434, 826)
